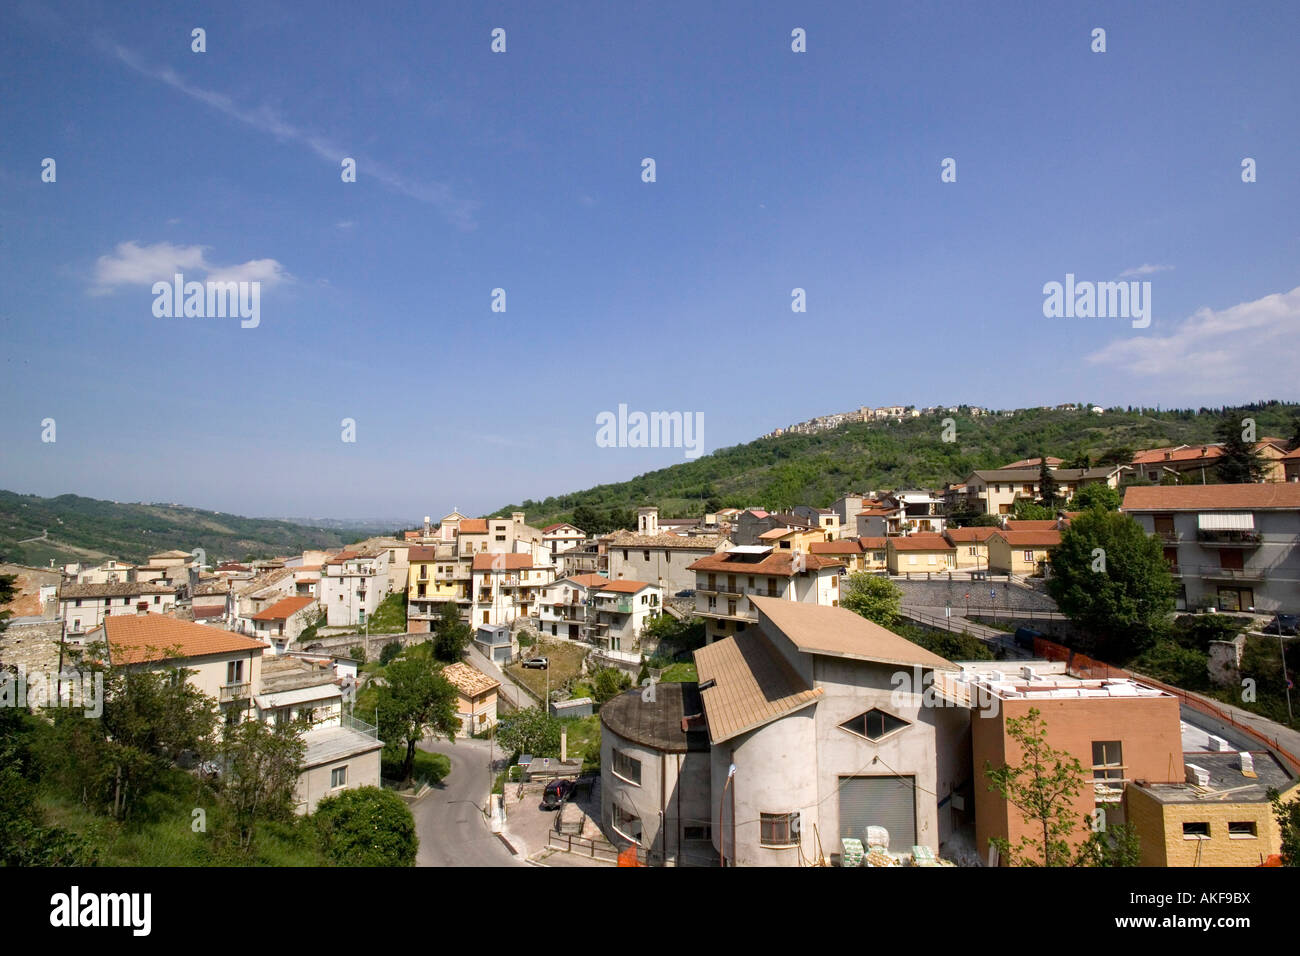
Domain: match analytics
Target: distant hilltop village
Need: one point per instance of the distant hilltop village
(901, 412)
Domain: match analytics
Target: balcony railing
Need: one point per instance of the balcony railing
(235, 691)
(1229, 539)
(352, 723)
(1214, 572)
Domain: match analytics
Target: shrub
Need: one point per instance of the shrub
(357, 653)
(366, 827)
(388, 652)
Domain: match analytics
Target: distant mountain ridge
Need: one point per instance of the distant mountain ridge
(72, 528)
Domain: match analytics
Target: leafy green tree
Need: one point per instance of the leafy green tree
(1118, 455)
(358, 653)
(1099, 495)
(6, 595)
(416, 702)
(1049, 489)
(609, 682)
(262, 763)
(1111, 578)
(388, 652)
(985, 521)
(530, 731)
(450, 635)
(1026, 510)
(872, 596)
(25, 839)
(1043, 786)
(149, 718)
(367, 826)
(1288, 819)
(1240, 463)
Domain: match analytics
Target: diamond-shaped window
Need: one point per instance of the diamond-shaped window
(874, 724)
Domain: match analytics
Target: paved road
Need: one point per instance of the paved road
(449, 818)
(512, 692)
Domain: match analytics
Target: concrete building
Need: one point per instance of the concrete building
(558, 538)
(353, 584)
(971, 546)
(85, 606)
(505, 587)
(663, 560)
(655, 773)
(814, 737)
(281, 623)
(590, 607)
(497, 643)
(1021, 552)
(1231, 547)
(728, 584)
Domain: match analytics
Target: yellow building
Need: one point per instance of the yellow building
(792, 539)
(476, 697)
(1220, 817)
(1021, 552)
(920, 553)
(972, 546)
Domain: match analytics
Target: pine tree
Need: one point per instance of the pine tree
(1240, 463)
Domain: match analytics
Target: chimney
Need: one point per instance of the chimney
(427, 524)
(1197, 775)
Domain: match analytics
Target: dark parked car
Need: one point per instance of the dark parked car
(556, 793)
(1025, 637)
(686, 593)
(538, 662)
(1283, 624)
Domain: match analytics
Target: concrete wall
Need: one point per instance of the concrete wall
(314, 783)
(1160, 832)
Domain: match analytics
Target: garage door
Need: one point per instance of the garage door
(888, 802)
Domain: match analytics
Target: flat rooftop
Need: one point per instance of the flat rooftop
(1036, 680)
(1227, 783)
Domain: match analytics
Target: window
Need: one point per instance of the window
(1029, 557)
(1242, 830)
(1196, 831)
(235, 672)
(874, 724)
(699, 833)
(778, 829)
(628, 824)
(156, 599)
(629, 768)
(78, 602)
(424, 572)
(501, 537)
(645, 555)
(338, 777)
(971, 551)
(835, 580)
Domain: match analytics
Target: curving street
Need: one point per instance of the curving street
(449, 818)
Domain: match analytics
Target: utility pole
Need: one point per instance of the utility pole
(1286, 680)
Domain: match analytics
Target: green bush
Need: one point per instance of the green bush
(366, 827)
(357, 653)
(388, 652)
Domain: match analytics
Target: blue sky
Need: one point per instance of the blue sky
(522, 171)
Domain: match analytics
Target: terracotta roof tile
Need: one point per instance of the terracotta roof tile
(1274, 495)
(143, 638)
(283, 610)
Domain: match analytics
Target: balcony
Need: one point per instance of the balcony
(233, 692)
(1169, 537)
(1215, 573)
(1228, 539)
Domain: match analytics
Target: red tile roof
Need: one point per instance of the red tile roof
(144, 638)
(283, 610)
(1274, 495)
(777, 563)
(1031, 524)
(473, 526)
(921, 542)
(421, 553)
(1031, 539)
(843, 546)
(965, 535)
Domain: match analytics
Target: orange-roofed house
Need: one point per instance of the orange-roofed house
(1022, 552)
(727, 583)
(1196, 463)
(1230, 547)
(280, 624)
(505, 586)
(592, 608)
(972, 547)
(920, 553)
(227, 666)
(476, 697)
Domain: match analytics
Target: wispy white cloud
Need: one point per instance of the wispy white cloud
(1145, 269)
(134, 264)
(1212, 352)
(458, 211)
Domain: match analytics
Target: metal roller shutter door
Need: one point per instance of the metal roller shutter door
(888, 802)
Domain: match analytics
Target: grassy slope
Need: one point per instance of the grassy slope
(88, 529)
(815, 469)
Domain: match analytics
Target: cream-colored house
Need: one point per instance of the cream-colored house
(920, 554)
(85, 606)
(1021, 552)
(972, 547)
(476, 697)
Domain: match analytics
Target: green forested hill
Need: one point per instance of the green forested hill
(72, 528)
(815, 469)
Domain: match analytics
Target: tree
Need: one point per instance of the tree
(1240, 463)
(1288, 820)
(1099, 495)
(149, 718)
(1294, 441)
(1043, 787)
(1111, 578)
(262, 763)
(1049, 489)
(367, 826)
(25, 840)
(1118, 455)
(388, 652)
(6, 595)
(985, 521)
(416, 702)
(872, 596)
(1026, 510)
(530, 731)
(450, 635)
(609, 682)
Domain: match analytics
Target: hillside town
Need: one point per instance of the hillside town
(724, 690)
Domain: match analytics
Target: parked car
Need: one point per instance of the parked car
(1283, 624)
(1025, 637)
(538, 662)
(687, 593)
(556, 793)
